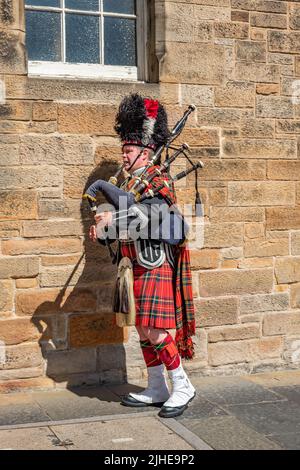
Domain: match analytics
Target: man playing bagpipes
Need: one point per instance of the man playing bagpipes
(162, 284)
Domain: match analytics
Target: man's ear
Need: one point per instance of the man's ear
(146, 154)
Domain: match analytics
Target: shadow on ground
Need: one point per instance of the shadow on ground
(79, 341)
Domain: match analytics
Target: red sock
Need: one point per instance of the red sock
(151, 357)
(168, 353)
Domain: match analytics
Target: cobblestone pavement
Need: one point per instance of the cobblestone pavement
(248, 413)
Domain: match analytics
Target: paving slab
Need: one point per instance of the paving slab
(22, 413)
(234, 390)
(16, 399)
(292, 393)
(191, 438)
(102, 392)
(249, 412)
(288, 441)
(144, 433)
(269, 418)
(92, 402)
(201, 408)
(123, 389)
(228, 433)
(40, 438)
(280, 378)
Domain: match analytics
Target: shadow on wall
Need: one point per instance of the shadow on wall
(79, 340)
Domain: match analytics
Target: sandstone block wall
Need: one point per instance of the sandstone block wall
(238, 61)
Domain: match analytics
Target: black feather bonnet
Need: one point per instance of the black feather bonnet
(142, 121)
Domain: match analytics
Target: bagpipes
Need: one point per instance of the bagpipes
(139, 189)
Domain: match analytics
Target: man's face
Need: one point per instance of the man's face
(130, 154)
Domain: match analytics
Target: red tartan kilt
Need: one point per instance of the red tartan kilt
(154, 292)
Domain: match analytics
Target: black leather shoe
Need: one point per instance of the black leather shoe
(173, 411)
(128, 400)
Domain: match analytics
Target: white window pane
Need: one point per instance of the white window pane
(43, 3)
(89, 5)
(82, 39)
(119, 6)
(119, 41)
(43, 35)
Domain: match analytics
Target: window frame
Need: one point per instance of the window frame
(96, 71)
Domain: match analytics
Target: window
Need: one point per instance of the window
(86, 38)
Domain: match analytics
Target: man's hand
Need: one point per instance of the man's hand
(93, 233)
(103, 219)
